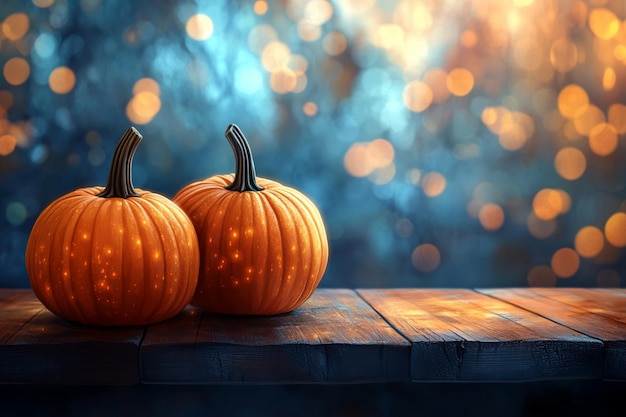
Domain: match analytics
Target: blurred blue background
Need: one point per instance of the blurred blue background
(449, 143)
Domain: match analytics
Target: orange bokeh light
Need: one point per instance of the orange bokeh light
(589, 241)
(573, 101)
(565, 262)
(417, 96)
(15, 26)
(541, 276)
(570, 163)
(426, 257)
(199, 27)
(603, 139)
(549, 203)
(62, 80)
(460, 81)
(16, 71)
(433, 184)
(491, 216)
(603, 23)
(615, 229)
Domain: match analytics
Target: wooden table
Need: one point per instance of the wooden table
(337, 336)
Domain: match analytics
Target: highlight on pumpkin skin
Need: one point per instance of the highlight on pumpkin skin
(126, 257)
(263, 245)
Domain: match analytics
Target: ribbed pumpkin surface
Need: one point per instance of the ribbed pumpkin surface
(113, 261)
(261, 252)
(114, 255)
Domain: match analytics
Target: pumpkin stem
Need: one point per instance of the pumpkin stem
(120, 182)
(245, 174)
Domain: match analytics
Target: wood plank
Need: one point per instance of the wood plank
(38, 347)
(333, 337)
(599, 313)
(18, 307)
(460, 335)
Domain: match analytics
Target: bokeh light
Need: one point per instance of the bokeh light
(491, 216)
(570, 163)
(16, 71)
(603, 139)
(549, 203)
(573, 101)
(426, 257)
(62, 80)
(541, 276)
(199, 27)
(433, 184)
(417, 96)
(589, 241)
(446, 143)
(460, 81)
(260, 7)
(7, 144)
(15, 26)
(604, 23)
(565, 262)
(615, 229)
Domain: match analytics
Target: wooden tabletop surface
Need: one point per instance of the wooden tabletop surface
(337, 336)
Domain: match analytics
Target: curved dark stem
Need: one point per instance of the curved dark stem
(245, 174)
(120, 182)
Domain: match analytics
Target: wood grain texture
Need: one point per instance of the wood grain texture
(460, 335)
(599, 313)
(38, 347)
(334, 337)
(338, 336)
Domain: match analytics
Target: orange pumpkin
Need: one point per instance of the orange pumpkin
(263, 246)
(113, 256)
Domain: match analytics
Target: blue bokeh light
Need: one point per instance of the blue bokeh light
(314, 84)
